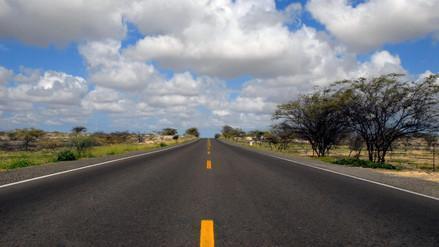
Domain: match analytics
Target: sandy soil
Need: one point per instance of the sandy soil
(428, 176)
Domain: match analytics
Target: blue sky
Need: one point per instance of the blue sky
(145, 73)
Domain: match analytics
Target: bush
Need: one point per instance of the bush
(65, 156)
(162, 144)
(20, 163)
(364, 163)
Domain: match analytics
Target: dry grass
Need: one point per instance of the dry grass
(423, 175)
(17, 159)
(413, 158)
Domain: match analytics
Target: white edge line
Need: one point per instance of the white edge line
(93, 165)
(339, 173)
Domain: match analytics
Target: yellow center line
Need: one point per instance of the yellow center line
(206, 234)
(209, 164)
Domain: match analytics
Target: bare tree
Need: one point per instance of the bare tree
(386, 108)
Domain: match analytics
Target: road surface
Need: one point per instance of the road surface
(239, 198)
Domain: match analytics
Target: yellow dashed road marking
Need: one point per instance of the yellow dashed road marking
(209, 164)
(206, 234)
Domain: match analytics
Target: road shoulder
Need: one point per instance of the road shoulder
(425, 187)
(16, 175)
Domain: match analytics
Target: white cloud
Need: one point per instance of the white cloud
(36, 98)
(226, 38)
(5, 74)
(376, 22)
(59, 22)
(203, 43)
(51, 87)
(108, 68)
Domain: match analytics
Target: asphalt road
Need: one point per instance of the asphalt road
(253, 200)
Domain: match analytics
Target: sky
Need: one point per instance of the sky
(143, 65)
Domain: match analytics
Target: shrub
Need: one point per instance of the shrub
(20, 163)
(364, 163)
(162, 144)
(65, 156)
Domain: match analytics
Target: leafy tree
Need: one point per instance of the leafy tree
(386, 108)
(283, 135)
(193, 131)
(27, 136)
(316, 118)
(80, 141)
(175, 138)
(271, 139)
(217, 135)
(230, 132)
(168, 132)
(79, 129)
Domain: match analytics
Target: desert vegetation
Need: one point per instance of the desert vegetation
(27, 147)
(387, 121)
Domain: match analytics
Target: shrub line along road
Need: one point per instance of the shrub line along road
(188, 196)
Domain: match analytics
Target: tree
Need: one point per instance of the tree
(217, 136)
(316, 118)
(386, 108)
(140, 137)
(230, 132)
(27, 136)
(80, 141)
(119, 136)
(79, 129)
(282, 135)
(175, 138)
(356, 144)
(193, 131)
(168, 132)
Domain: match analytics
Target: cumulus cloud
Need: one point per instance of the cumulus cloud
(48, 97)
(226, 38)
(51, 87)
(108, 68)
(376, 22)
(44, 22)
(203, 43)
(5, 74)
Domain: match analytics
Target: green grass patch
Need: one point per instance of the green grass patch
(20, 163)
(66, 155)
(364, 163)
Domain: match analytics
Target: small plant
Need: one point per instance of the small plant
(20, 163)
(162, 144)
(364, 163)
(65, 155)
